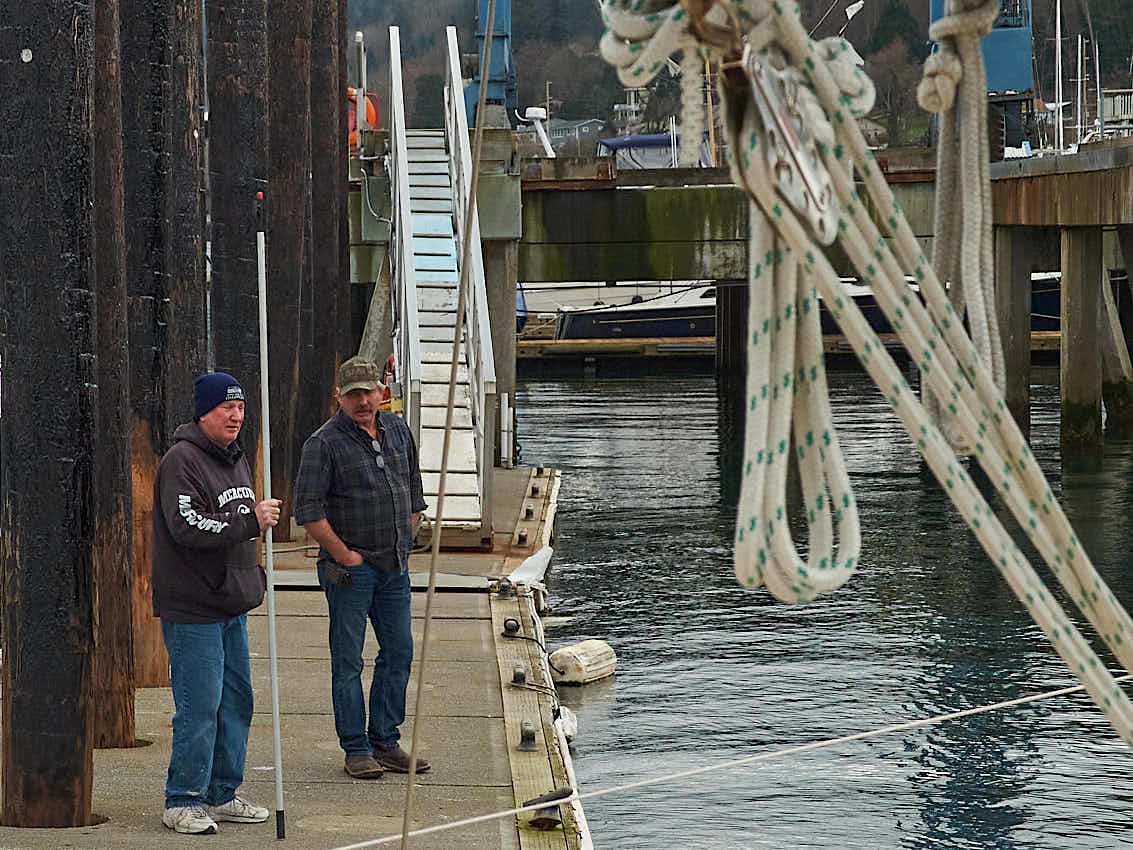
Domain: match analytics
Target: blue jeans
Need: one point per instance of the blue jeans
(212, 690)
(383, 599)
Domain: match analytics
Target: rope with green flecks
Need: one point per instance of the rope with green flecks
(954, 86)
(931, 331)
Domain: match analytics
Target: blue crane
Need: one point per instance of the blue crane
(1007, 48)
(501, 67)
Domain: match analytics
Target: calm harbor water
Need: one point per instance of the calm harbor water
(708, 671)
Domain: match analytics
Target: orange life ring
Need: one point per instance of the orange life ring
(352, 112)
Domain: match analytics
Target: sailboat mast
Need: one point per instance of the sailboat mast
(1058, 71)
(1079, 90)
(1100, 100)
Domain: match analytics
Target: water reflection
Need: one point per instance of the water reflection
(709, 671)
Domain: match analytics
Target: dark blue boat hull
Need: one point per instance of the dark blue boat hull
(696, 320)
(700, 320)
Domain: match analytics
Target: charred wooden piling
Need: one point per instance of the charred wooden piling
(50, 409)
(161, 94)
(288, 205)
(238, 108)
(329, 277)
(112, 701)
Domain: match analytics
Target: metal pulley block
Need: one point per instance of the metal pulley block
(789, 148)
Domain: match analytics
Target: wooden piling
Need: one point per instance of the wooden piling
(731, 335)
(1013, 265)
(238, 109)
(328, 201)
(347, 344)
(112, 559)
(1124, 292)
(289, 167)
(161, 96)
(1117, 370)
(1081, 377)
(144, 40)
(50, 408)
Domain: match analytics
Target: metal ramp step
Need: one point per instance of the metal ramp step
(437, 279)
(430, 193)
(439, 351)
(462, 450)
(437, 246)
(434, 417)
(416, 139)
(437, 374)
(437, 180)
(438, 335)
(436, 318)
(430, 205)
(427, 167)
(431, 262)
(456, 484)
(436, 395)
(418, 155)
(436, 300)
(425, 224)
(462, 502)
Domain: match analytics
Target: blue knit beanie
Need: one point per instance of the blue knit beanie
(212, 389)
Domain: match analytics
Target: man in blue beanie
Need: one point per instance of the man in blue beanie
(206, 576)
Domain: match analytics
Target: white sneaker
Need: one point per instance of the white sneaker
(237, 810)
(190, 820)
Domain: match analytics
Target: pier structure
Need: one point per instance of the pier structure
(471, 721)
(1072, 214)
(131, 267)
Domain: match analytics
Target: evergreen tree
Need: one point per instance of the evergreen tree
(898, 22)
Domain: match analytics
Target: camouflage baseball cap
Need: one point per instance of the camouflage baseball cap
(357, 373)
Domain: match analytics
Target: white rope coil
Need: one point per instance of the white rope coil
(785, 371)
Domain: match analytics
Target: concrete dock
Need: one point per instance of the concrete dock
(469, 729)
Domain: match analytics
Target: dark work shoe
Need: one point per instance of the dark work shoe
(362, 766)
(396, 760)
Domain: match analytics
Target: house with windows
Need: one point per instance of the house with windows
(570, 138)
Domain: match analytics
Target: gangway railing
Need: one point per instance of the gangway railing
(406, 326)
(478, 328)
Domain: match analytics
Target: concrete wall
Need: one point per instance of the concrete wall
(660, 232)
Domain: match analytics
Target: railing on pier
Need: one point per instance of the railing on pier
(478, 329)
(1118, 107)
(406, 328)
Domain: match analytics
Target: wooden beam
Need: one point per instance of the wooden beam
(532, 772)
(113, 561)
(50, 400)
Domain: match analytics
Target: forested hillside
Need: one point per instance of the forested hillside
(555, 42)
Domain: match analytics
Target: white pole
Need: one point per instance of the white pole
(1099, 103)
(265, 426)
(1079, 89)
(360, 122)
(1058, 72)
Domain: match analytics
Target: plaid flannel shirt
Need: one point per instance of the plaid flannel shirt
(369, 506)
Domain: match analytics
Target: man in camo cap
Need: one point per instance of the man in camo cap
(359, 495)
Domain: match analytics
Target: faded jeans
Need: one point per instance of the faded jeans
(212, 690)
(383, 599)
